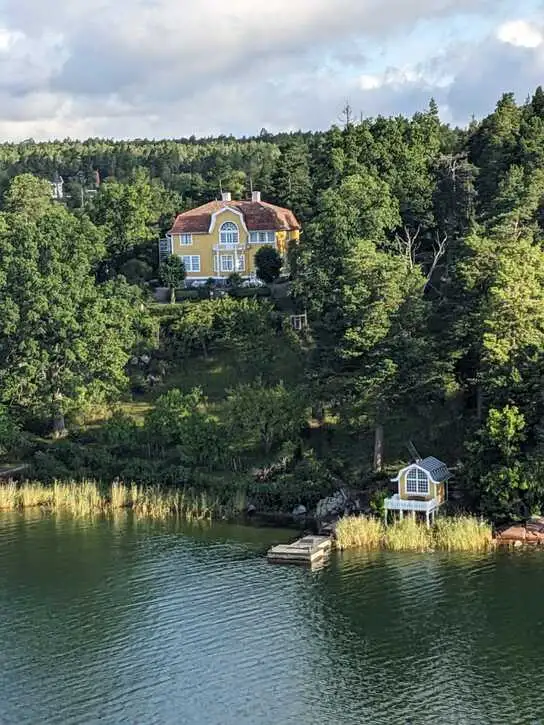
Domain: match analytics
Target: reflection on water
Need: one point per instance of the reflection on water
(122, 621)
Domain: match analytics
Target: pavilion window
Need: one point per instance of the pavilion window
(417, 482)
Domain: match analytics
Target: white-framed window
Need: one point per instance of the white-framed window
(262, 237)
(227, 262)
(185, 239)
(191, 263)
(241, 264)
(229, 234)
(417, 482)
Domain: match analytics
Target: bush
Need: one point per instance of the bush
(11, 436)
(268, 263)
(245, 292)
(119, 431)
(182, 421)
(260, 416)
(182, 295)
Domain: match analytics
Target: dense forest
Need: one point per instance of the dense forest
(421, 269)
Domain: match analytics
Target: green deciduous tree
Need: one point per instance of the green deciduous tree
(262, 417)
(172, 273)
(268, 264)
(63, 338)
(184, 421)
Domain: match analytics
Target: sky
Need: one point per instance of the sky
(176, 68)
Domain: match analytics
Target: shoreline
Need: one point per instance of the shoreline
(359, 532)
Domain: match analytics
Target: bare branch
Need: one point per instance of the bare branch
(408, 245)
(439, 250)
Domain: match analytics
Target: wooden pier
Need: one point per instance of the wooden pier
(309, 551)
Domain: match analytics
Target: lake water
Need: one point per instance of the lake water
(139, 623)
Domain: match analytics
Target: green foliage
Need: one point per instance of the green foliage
(420, 268)
(136, 271)
(268, 264)
(172, 273)
(63, 337)
(184, 421)
(259, 416)
(11, 436)
(129, 214)
(234, 281)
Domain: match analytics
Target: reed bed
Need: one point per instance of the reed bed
(9, 498)
(461, 533)
(408, 535)
(89, 499)
(359, 532)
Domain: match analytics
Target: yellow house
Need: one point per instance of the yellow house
(422, 487)
(222, 237)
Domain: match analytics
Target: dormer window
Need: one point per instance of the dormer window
(417, 482)
(228, 234)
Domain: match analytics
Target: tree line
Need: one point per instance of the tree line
(420, 269)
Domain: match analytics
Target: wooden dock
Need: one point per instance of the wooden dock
(309, 551)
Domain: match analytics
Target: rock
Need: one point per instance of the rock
(332, 506)
(299, 511)
(251, 509)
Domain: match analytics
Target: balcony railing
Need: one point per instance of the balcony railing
(230, 247)
(395, 503)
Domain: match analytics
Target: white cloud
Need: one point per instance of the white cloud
(520, 33)
(178, 67)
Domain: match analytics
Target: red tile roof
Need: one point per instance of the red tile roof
(258, 216)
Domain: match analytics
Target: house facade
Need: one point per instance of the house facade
(222, 237)
(422, 488)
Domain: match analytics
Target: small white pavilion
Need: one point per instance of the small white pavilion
(422, 488)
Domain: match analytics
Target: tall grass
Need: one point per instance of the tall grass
(9, 499)
(408, 535)
(88, 499)
(359, 532)
(462, 533)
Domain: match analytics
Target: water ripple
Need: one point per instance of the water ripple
(117, 622)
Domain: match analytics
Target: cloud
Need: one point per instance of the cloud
(178, 67)
(520, 33)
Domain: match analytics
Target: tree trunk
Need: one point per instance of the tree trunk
(378, 449)
(59, 423)
(172, 295)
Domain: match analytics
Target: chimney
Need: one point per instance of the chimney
(255, 196)
(225, 196)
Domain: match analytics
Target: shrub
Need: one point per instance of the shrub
(260, 416)
(11, 437)
(119, 430)
(182, 295)
(268, 263)
(182, 420)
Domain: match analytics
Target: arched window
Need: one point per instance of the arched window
(229, 234)
(417, 482)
